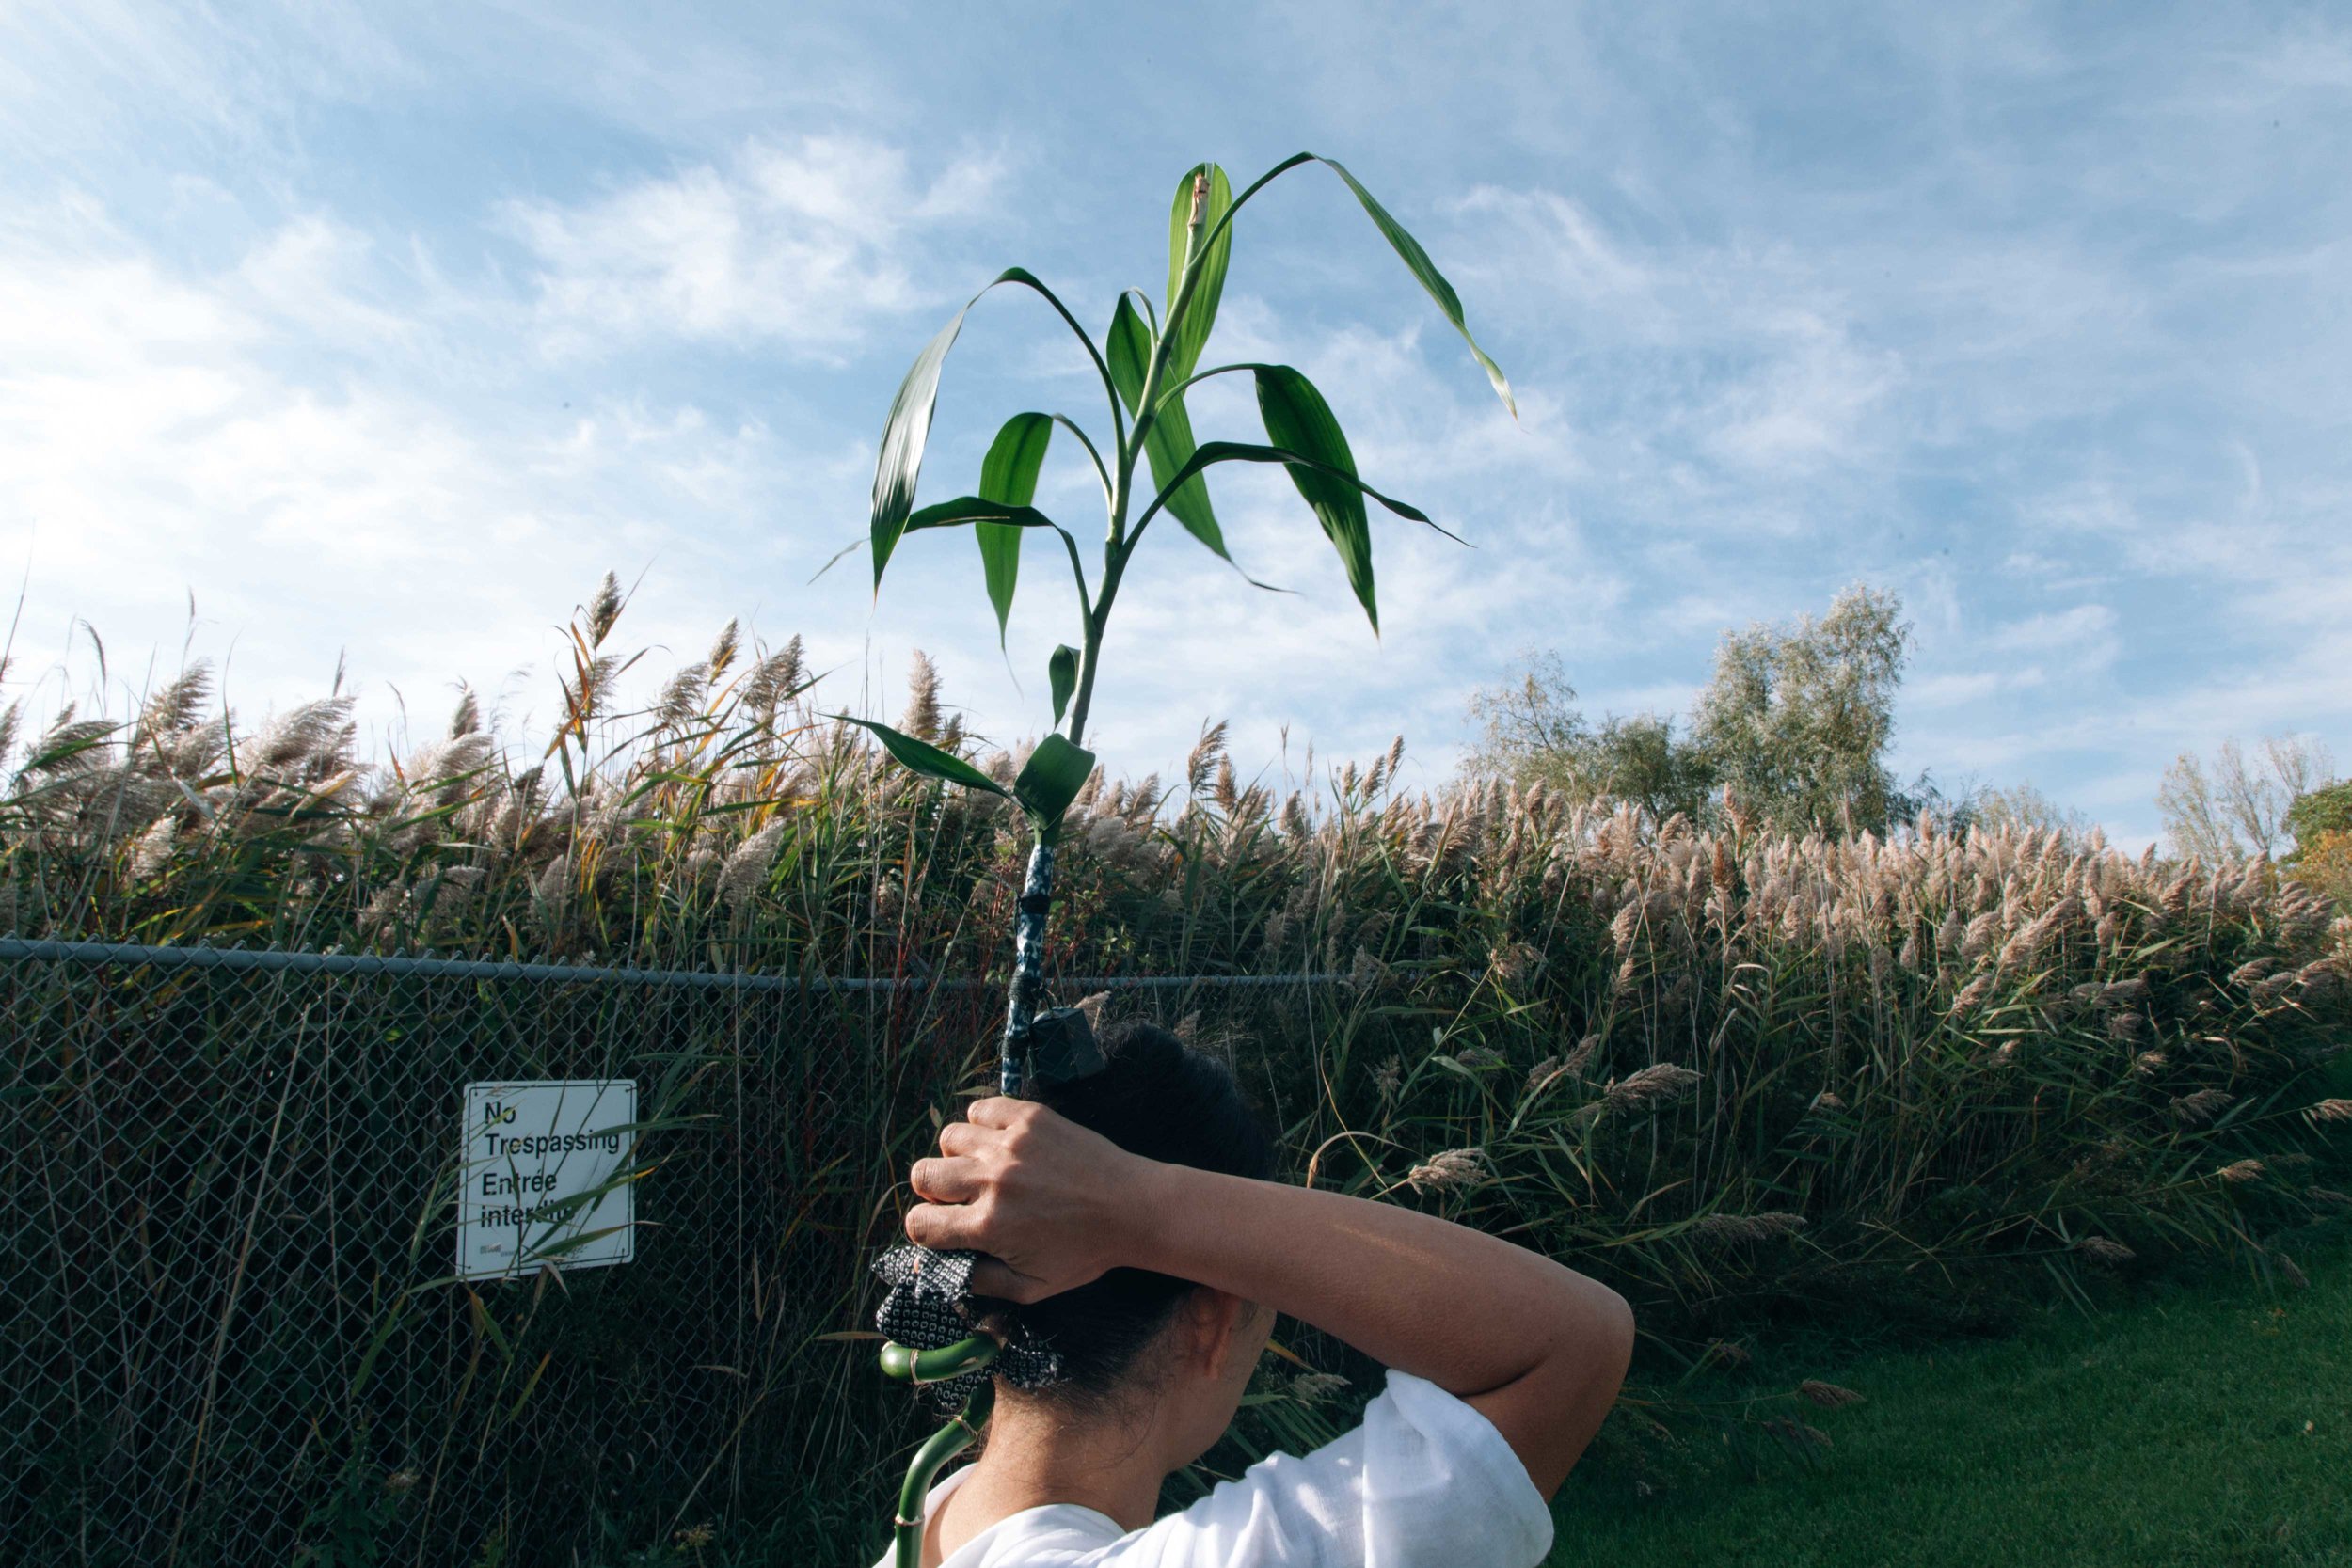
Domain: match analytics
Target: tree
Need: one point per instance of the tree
(1641, 759)
(2235, 806)
(1798, 718)
(2315, 812)
(1793, 728)
(1528, 724)
(1531, 732)
(2321, 822)
(2019, 806)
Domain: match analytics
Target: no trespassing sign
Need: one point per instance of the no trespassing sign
(546, 1176)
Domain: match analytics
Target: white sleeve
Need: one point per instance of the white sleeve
(1426, 1482)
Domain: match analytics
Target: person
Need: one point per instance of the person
(1129, 1221)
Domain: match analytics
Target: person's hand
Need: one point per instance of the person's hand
(1050, 1203)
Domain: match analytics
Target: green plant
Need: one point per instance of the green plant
(2324, 809)
(350, 1526)
(2321, 822)
(1796, 721)
(1146, 363)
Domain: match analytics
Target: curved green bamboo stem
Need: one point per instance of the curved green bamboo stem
(919, 1366)
(944, 1445)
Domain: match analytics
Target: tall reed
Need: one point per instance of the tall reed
(1926, 1048)
(1738, 1073)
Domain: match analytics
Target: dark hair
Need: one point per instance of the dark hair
(1165, 1100)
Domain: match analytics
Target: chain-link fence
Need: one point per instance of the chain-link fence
(231, 1330)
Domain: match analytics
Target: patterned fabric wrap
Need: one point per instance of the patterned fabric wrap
(930, 1305)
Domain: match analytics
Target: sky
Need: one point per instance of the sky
(372, 336)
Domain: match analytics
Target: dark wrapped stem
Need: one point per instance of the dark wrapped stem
(976, 1353)
(942, 1446)
(1028, 952)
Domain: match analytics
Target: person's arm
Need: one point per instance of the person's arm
(1536, 1348)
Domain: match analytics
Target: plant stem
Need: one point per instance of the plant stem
(1116, 548)
(944, 1444)
(1028, 946)
(1037, 886)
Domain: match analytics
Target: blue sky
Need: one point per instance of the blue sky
(382, 332)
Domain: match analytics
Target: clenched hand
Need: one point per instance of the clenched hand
(1049, 1203)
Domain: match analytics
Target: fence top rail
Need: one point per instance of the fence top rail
(391, 966)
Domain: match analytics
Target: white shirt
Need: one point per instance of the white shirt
(1426, 1482)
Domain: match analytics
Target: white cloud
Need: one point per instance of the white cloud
(157, 450)
(1957, 690)
(1671, 700)
(800, 244)
(77, 79)
(2025, 350)
(1580, 259)
(2072, 631)
(2049, 573)
(311, 276)
(1808, 406)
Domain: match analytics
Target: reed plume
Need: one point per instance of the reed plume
(1660, 1049)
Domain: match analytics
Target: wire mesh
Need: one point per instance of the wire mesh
(230, 1330)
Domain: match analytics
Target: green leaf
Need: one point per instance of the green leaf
(1169, 446)
(904, 434)
(1417, 260)
(1167, 442)
(1215, 453)
(1407, 249)
(1008, 474)
(974, 509)
(1061, 671)
(1298, 420)
(1130, 347)
(920, 756)
(1051, 779)
(1189, 330)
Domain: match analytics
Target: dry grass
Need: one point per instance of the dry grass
(1734, 1073)
(1603, 1032)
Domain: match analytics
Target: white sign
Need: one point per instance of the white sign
(533, 1151)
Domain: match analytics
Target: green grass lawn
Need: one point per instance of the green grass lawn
(2211, 1427)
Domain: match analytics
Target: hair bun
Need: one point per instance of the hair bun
(1166, 1100)
(1137, 1046)
(1159, 1098)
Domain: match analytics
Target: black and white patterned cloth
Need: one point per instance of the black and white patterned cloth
(930, 1306)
